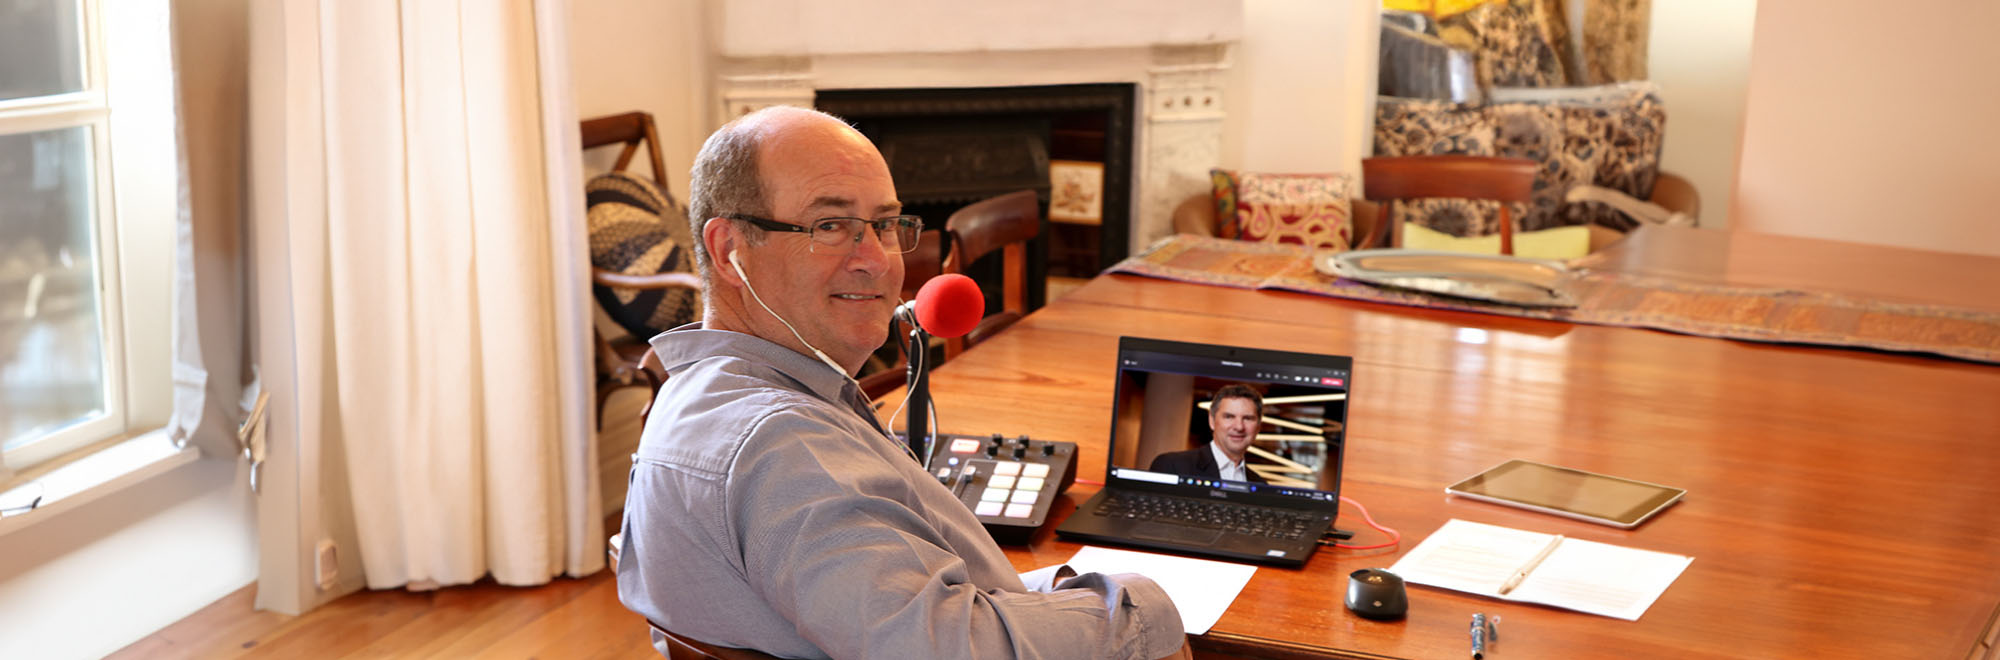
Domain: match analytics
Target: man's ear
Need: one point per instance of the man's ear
(720, 236)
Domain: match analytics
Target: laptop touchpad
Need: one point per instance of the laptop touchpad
(1175, 533)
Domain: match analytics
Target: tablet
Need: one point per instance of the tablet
(1590, 496)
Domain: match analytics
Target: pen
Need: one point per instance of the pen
(1478, 636)
(1515, 579)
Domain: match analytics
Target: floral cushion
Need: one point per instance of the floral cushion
(1302, 209)
(1515, 43)
(1605, 136)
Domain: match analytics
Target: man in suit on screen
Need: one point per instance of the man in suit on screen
(1234, 415)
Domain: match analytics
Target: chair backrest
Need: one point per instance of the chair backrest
(925, 262)
(630, 129)
(677, 647)
(626, 362)
(1391, 178)
(1003, 223)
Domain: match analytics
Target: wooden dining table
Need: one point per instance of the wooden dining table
(1840, 502)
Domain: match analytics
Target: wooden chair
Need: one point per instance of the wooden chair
(1505, 180)
(1004, 223)
(684, 648)
(629, 361)
(919, 266)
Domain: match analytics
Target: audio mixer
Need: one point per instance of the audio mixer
(1010, 483)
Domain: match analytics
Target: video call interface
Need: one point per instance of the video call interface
(1297, 446)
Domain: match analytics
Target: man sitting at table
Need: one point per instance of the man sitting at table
(768, 507)
(1234, 415)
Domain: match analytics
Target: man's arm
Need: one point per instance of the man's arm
(836, 537)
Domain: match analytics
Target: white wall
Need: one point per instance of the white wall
(1699, 53)
(1301, 91)
(1873, 123)
(644, 55)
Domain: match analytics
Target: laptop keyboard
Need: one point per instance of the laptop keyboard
(1207, 514)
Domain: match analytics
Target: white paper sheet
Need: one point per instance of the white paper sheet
(1201, 589)
(1586, 576)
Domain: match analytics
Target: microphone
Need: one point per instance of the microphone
(948, 305)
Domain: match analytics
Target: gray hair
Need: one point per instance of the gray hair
(724, 180)
(1235, 391)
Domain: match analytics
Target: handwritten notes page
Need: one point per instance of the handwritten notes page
(1586, 576)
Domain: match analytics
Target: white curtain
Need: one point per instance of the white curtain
(422, 271)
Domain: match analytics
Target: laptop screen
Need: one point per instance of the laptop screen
(1241, 420)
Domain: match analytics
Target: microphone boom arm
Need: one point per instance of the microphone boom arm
(917, 397)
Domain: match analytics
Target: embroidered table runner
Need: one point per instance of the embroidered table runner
(1612, 298)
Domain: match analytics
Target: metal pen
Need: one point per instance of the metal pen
(1478, 636)
(1485, 629)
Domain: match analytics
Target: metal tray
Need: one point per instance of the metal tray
(1493, 278)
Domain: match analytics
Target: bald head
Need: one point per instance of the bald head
(761, 185)
(728, 179)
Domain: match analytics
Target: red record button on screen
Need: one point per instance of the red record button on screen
(1333, 382)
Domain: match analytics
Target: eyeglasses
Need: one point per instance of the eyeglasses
(898, 233)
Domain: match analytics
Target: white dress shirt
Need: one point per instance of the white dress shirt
(1235, 471)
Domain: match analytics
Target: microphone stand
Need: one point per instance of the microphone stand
(917, 397)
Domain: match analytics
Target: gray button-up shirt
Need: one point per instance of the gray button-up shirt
(769, 509)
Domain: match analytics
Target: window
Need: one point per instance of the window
(87, 181)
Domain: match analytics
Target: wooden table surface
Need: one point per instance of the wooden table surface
(1840, 503)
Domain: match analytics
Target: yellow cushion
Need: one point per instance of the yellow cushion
(1557, 243)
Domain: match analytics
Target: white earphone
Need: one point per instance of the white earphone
(737, 263)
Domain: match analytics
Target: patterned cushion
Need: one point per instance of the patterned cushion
(1302, 209)
(1514, 43)
(1606, 136)
(637, 230)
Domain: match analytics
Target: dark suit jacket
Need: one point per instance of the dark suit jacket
(1198, 463)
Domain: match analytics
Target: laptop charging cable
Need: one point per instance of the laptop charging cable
(1395, 537)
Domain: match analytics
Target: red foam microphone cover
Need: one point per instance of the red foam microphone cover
(950, 305)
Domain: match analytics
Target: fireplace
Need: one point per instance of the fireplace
(970, 103)
(949, 147)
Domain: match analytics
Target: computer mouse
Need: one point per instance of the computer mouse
(1374, 593)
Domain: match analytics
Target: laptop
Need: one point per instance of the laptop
(1164, 486)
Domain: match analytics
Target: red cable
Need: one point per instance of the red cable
(1395, 537)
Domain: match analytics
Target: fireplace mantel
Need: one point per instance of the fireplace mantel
(1175, 51)
(762, 28)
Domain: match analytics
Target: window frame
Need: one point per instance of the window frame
(127, 108)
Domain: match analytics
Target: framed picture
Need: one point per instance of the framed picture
(1076, 192)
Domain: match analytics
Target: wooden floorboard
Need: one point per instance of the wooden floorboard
(566, 618)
